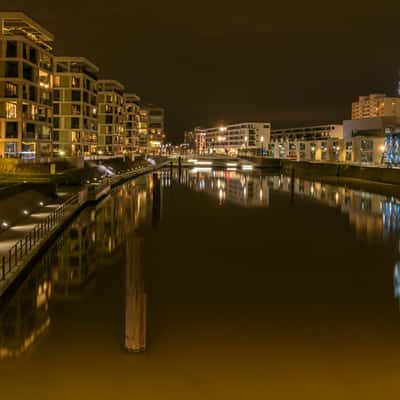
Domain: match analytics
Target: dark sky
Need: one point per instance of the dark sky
(209, 62)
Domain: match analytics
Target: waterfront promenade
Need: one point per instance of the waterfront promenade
(22, 242)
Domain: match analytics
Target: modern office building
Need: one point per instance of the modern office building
(75, 106)
(131, 120)
(110, 114)
(26, 81)
(375, 105)
(246, 137)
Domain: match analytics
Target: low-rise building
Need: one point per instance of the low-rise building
(371, 140)
(311, 143)
(245, 137)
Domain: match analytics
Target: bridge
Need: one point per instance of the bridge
(244, 163)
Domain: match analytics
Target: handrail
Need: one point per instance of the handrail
(9, 262)
(22, 248)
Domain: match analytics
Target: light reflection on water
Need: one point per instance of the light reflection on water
(371, 215)
(101, 259)
(67, 272)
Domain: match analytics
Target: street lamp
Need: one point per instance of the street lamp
(262, 138)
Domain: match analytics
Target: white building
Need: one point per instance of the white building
(375, 105)
(244, 137)
(311, 143)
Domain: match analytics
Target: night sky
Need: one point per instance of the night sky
(211, 62)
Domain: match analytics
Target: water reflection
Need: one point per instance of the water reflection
(136, 298)
(372, 215)
(26, 318)
(68, 269)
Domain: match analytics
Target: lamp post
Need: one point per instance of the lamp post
(262, 145)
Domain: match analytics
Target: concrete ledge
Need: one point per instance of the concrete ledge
(375, 179)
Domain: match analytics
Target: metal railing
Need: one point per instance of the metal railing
(24, 246)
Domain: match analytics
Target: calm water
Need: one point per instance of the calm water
(235, 287)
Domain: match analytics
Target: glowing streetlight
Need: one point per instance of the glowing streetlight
(262, 138)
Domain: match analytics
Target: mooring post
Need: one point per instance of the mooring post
(292, 178)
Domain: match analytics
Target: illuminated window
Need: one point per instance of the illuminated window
(11, 89)
(11, 110)
(57, 81)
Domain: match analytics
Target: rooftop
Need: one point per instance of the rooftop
(109, 84)
(79, 61)
(17, 23)
(132, 97)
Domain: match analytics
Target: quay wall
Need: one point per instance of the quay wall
(364, 173)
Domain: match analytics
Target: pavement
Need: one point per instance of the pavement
(22, 213)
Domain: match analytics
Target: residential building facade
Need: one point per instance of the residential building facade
(311, 143)
(375, 105)
(231, 139)
(131, 120)
(75, 106)
(151, 128)
(26, 82)
(110, 111)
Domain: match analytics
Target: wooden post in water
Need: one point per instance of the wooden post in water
(292, 179)
(156, 212)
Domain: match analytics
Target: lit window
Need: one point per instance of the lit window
(11, 110)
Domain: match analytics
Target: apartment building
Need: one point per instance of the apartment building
(375, 105)
(26, 82)
(243, 137)
(110, 112)
(75, 106)
(151, 128)
(132, 120)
